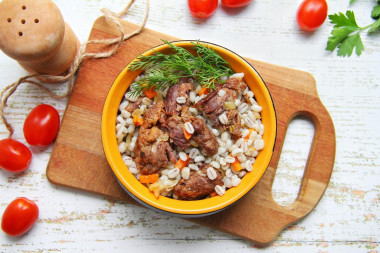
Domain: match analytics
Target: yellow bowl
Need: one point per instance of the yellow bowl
(194, 208)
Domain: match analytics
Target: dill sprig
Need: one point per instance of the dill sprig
(206, 67)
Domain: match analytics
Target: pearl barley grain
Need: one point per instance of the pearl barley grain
(221, 93)
(123, 105)
(185, 173)
(127, 160)
(173, 173)
(122, 147)
(248, 165)
(215, 164)
(235, 180)
(199, 158)
(130, 98)
(219, 190)
(189, 128)
(193, 167)
(183, 156)
(230, 159)
(237, 151)
(258, 144)
(193, 153)
(243, 108)
(211, 173)
(223, 119)
(181, 100)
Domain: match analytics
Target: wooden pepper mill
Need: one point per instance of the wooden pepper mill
(34, 33)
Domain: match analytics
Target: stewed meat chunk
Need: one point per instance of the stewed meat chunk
(152, 150)
(214, 105)
(198, 185)
(202, 135)
(175, 128)
(180, 90)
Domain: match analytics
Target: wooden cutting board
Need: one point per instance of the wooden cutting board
(78, 161)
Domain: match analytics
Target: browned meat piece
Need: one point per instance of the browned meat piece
(204, 137)
(202, 134)
(154, 157)
(214, 105)
(177, 90)
(152, 150)
(236, 84)
(153, 114)
(175, 127)
(197, 186)
(235, 122)
(133, 105)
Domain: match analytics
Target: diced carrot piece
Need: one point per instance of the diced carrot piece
(150, 93)
(203, 91)
(250, 131)
(148, 179)
(186, 134)
(236, 165)
(213, 194)
(182, 164)
(137, 120)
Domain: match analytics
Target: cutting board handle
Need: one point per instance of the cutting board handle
(320, 161)
(318, 167)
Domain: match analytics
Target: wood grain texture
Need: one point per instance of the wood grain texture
(345, 220)
(79, 140)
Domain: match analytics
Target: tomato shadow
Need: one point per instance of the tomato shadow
(200, 21)
(19, 238)
(39, 150)
(303, 33)
(11, 176)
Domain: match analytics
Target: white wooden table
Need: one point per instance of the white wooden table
(346, 219)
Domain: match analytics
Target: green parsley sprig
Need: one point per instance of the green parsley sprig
(346, 33)
(206, 67)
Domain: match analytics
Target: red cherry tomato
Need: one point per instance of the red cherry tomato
(311, 14)
(41, 125)
(235, 3)
(14, 156)
(19, 216)
(202, 8)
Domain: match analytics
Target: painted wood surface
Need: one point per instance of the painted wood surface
(345, 219)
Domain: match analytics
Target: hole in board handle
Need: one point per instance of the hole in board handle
(291, 166)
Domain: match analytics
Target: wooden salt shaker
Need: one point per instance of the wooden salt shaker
(34, 33)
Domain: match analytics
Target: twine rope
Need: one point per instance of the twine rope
(79, 58)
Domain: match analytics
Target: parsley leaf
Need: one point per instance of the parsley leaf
(338, 36)
(344, 26)
(375, 12)
(348, 44)
(340, 20)
(346, 33)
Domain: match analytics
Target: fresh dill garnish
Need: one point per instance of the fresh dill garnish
(164, 70)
